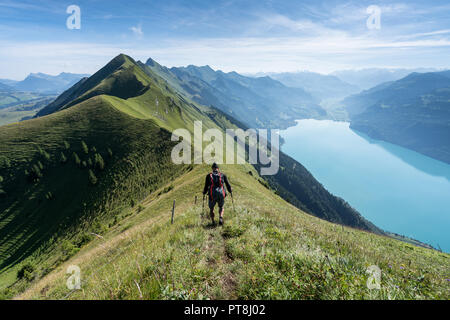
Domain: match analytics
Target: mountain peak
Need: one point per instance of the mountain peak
(150, 62)
(37, 75)
(120, 79)
(122, 58)
(206, 68)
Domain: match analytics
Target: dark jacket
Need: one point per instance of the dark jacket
(224, 181)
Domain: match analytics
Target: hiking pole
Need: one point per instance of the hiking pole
(232, 201)
(203, 206)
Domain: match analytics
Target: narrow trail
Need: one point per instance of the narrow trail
(229, 282)
(216, 242)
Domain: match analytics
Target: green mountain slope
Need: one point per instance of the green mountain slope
(47, 186)
(267, 249)
(258, 102)
(87, 165)
(120, 77)
(413, 112)
(293, 182)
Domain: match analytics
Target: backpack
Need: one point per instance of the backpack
(216, 189)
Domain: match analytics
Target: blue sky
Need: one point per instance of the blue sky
(245, 36)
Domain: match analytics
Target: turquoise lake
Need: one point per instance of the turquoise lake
(397, 189)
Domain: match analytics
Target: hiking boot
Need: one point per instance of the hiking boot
(221, 221)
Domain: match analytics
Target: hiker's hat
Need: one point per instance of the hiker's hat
(214, 166)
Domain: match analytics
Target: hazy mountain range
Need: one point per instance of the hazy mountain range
(5, 88)
(258, 101)
(320, 86)
(277, 99)
(282, 96)
(371, 77)
(413, 112)
(44, 83)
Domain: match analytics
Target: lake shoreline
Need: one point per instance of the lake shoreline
(396, 188)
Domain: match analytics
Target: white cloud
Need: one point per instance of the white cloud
(324, 53)
(271, 43)
(137, 30)
(426, 34)
(279, 20)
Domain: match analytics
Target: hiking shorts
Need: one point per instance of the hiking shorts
(219, 199)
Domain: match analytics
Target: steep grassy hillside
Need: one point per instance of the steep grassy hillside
(76, 169)
(120, 77)
(75, 173)
(267, 249)
(293, 182)
(71, 170)
(150, 86)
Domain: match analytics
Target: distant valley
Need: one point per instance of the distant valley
(21, 100)
(44, 83)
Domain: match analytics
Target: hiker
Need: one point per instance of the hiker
(216, 192)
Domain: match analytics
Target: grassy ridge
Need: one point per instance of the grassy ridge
(78, 171)
(293, 182)
(268, 249)
(63, 198)
(80, 181)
